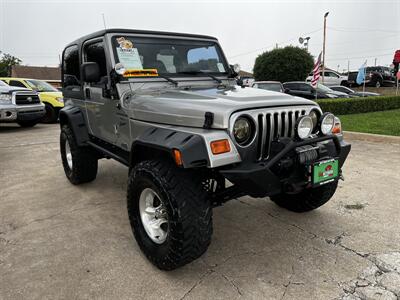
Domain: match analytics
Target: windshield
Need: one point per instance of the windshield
(2, 83)
(41, 86)
(168, 56)
(324, 89)
(276, 87)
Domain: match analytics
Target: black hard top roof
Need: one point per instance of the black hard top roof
(135, 31)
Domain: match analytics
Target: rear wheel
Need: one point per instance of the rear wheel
(169, 212)
(51, 115)
(80, 163)
(308, 199)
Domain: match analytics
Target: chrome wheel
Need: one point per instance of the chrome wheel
(68, 154)
(153, 215)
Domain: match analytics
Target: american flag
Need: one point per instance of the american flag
(316, 71)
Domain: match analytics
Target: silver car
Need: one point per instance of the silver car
(166, 105)
(20, 105)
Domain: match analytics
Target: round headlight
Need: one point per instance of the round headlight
(304, 127)
(327, 123)
(242, 130)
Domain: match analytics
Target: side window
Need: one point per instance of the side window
(304, 87)
(16, 83)
(95, 53)
(71, 72)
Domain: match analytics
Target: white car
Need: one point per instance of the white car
(331, 78)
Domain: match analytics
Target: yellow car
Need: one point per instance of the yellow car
(49, 95)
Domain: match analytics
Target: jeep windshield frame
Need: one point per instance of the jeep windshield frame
(173, 57)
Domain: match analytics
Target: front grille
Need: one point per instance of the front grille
(275, 124)
(26, 99)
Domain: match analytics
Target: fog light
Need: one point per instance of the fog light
(304, 127)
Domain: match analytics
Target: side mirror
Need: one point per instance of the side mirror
(90, 72)
(286, 91)
(234, 70)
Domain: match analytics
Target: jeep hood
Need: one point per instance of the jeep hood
(188, 107)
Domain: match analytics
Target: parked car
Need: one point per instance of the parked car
(331, 78)
(352, 93)
(246, 81)
(20, 105)
(183, 127)
(49, 95)
(305, 90)
(375, 76)
(275, 86)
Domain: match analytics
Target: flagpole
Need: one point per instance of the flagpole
(365, 75)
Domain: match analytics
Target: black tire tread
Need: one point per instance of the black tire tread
(85, 161)
(192, 211)
(307, 200)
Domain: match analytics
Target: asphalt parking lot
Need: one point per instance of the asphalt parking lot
(63, 241)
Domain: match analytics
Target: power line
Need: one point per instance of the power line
(348, 29)
(272, 45)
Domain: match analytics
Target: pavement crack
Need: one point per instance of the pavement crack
(197, 283)
(232, 282)
(287, 285)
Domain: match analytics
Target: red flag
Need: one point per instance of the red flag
(316, 72)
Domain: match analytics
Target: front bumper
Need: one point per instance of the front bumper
(31, 112)
(260, 179)
(12, 112)
(8, 113)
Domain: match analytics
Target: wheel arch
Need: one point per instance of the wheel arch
(161, 142)
(73, 117)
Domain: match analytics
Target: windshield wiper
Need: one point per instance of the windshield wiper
(168, 79)
(202, 73)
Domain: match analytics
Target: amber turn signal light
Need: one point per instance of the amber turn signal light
(220, 146)
(178, 157)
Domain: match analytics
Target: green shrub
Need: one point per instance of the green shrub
(283, 64)
(348, 106)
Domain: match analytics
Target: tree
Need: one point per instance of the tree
(6, 63)
(283, 64)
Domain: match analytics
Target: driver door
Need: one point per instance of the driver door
(100, 109)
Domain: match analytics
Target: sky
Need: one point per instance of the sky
(357, 30)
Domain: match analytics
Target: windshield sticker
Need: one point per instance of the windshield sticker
(140, 72)
(128, 55)
(221, 67)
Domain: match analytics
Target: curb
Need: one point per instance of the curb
(375, 138)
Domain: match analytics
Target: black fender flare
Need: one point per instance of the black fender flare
(74, 118)
(192, 146)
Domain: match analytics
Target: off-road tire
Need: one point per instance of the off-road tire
(188, 209)
(378, 83)
(51, 115)
(308, 199)
(84, 159)
(30, 123)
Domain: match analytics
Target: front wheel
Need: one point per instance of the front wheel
(169, 212)
(378, 83)
(308, 199)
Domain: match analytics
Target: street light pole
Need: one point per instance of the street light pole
(323, 49)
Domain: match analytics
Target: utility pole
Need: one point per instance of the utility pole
(104, 21)
(348, 68)
(323, 49)
(375, 61)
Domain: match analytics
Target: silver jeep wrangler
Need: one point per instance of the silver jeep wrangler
(167, 106)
